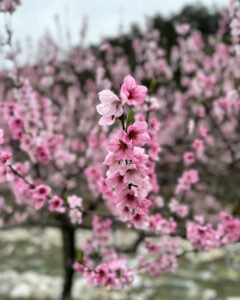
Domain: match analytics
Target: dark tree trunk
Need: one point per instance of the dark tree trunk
(68, 239)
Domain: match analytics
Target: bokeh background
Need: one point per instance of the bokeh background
(105, 18)
(37, 271)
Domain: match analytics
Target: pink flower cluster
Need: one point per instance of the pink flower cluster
(40, 195)
(204, 237)
(160, 225)
(185, 182)
(112, 106)
(181, 210)
(113, 272)
(31, 121)
(75, 205)
(130, 176)
(235, 24)
(5, 156)
(161, 256)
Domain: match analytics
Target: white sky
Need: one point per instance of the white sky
(34, 17)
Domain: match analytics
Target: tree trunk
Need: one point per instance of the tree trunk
(68, 239)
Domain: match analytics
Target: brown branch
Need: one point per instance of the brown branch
(15, 172)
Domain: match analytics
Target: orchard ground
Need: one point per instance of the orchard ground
(37, 273)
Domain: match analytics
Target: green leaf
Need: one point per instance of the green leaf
(80, 257)
(64, 196)
(198, 101)
(153, 84)
(130, 117)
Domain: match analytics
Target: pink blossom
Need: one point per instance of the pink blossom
(42, 191)
(110, 107)
(5, 172)
(154, 105)
(188, 178)
(230, 228)
(16, 127)
(191, 126)
(120, 145)
(160, 225)
(180, 209)
(111, 280)
(116, 180)
(114, 164)
(155, 124)
(198, 145)
(139, 219)
(5, 156)
(189, 158)
(43, 155)
(131, 174)
(202, 237)
(75, 216)
(74, 201)
(39, 203)
(79, 268)
(159, 201)
(55, 204)
(101, 274)
(132, 93)
(182, 28)
(203, 131)
(138, 134)
(1, 137)
(128, 198)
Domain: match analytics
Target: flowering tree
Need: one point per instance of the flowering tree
(158, 155)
